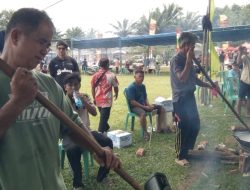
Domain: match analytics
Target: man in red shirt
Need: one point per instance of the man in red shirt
(102, 84)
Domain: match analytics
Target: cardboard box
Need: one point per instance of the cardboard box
(166, 103)
(120, 138)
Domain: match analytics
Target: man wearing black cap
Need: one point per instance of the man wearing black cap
(62, 63)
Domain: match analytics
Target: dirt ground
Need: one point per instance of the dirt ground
(193, 176)
(197, 168)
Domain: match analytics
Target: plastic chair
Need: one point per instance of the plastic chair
(223, 75)
(231, 91)
(87, 156)
(124, 70)
(133, 115)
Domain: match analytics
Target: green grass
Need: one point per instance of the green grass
(160, 154)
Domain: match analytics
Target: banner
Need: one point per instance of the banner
(215, 62)
(212, 8)
(152, 26)
(178, 33)
(223, 21)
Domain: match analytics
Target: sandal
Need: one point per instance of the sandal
(182, 162)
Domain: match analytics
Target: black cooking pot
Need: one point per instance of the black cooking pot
(243, 138)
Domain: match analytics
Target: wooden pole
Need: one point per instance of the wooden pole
(220, 93)
(92, 145)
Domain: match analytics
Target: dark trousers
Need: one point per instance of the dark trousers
(74, 157)
(188, 125)
(104, 117)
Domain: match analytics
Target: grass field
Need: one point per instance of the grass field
(160, 154)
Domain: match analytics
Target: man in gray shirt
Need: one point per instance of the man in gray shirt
(183, 82)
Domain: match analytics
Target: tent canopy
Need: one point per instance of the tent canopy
(218, 35)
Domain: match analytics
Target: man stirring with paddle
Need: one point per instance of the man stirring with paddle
(29, 133)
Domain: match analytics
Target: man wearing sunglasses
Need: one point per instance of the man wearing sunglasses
(62, 63)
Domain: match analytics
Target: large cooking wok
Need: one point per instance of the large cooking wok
(243, 138)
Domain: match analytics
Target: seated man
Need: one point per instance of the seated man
(137, 96)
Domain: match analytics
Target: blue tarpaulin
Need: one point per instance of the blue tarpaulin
(218, 35)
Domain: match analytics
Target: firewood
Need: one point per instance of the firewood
(234, 171)
(244, 163)
(220, 147)
(238, 128)
(202, 145)
(214, 155)
(229, 162)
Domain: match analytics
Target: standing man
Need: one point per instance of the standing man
(84, 65)
(29, 134)
(62, 63)
(222, 60)
(244, 91)
(138, 100)
(117, 65)
(183, 82)
(102, 84)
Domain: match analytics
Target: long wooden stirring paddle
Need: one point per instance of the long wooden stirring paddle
(83, 134)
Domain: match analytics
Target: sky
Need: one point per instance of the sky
(99, 14)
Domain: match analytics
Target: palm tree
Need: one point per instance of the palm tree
(169, 17)
(75, 32)
(124, 28)
(191, 21)
(57, 35)
(142, 25)
(91, 34)
(165, 20)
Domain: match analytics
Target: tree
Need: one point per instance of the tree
(123, 28)
(75, 32)
(246, 15)
(169, 18)
(57, 35)
(237, 15)
(166, 20)
(191, 21)
(91, 34)
(142, 25)
(5, 16)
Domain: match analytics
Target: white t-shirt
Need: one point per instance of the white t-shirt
(245, 75)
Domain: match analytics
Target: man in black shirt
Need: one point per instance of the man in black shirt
(62, 63)
(222, 59)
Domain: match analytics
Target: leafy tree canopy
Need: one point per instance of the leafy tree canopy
(5, 16)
